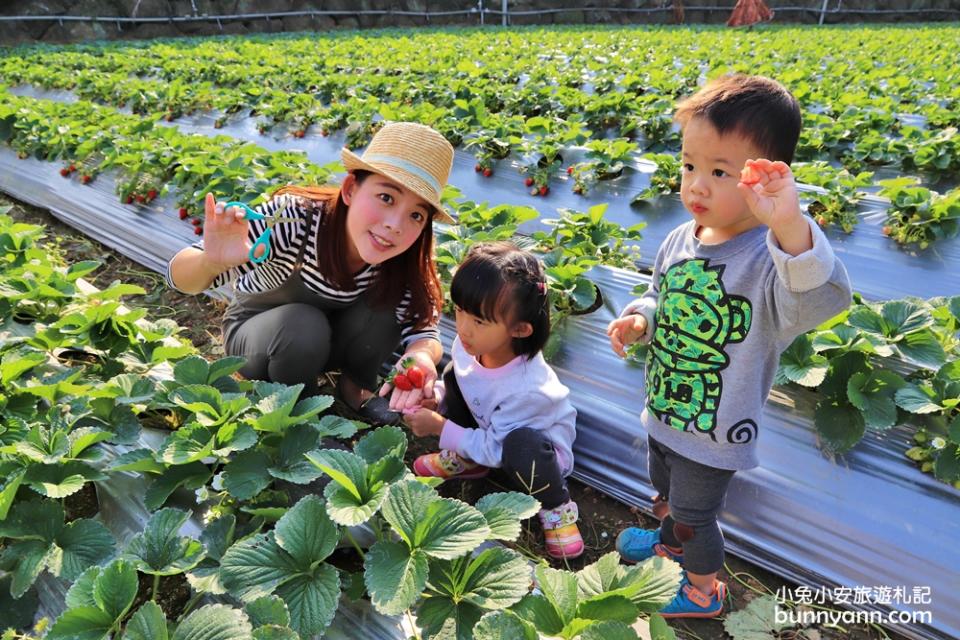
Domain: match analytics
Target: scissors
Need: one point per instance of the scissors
(264, 239)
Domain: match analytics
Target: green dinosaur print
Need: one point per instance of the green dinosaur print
(695, 320)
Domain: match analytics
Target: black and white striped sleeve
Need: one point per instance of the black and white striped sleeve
(281, 239)
(411, 328)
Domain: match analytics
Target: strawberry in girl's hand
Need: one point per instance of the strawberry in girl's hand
(749, 175)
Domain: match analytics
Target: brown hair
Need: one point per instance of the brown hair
(414, 269)
(758, 108)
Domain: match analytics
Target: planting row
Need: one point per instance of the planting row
(860, 348)
(81, 374)
(871, 96)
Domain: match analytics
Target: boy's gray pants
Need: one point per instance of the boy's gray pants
(696, 494)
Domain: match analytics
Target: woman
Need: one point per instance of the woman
(348, 276)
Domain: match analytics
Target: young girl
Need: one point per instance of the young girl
(348, 273)
(502, 405)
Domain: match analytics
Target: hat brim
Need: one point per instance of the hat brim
(353, 162)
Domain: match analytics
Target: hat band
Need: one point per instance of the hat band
(400, 163)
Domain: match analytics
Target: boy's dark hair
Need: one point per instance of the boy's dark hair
(758, 108)
(500, 282)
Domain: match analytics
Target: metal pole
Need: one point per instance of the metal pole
(503, 13)
(823, 10)
(480, 4)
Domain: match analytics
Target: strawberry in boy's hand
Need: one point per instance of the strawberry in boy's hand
(770, 193)
(748, 175)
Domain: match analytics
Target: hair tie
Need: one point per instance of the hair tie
(542, 287)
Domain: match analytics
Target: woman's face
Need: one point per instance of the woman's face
(384, 219)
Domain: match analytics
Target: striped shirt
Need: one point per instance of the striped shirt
(285, 242)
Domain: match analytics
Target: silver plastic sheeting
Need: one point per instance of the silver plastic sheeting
(901, 272)
(868, 519)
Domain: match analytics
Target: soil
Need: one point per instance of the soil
(82, 504)
(172, 595)
(601, 517)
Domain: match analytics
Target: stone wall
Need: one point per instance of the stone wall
(581, 11)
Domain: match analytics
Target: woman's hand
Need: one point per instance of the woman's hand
(405, 399)
(226, 241)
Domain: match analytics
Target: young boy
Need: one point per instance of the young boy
(731, 289)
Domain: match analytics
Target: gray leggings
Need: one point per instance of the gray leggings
(695, 493)
(293, 343)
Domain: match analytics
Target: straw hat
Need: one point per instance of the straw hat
(411, 154)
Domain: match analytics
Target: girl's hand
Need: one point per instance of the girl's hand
(625, 331)
(424, 422)
(770, 192)
(226, 241)
(408, 399)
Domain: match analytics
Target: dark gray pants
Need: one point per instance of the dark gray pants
(293, 343)
(529, 463)
(696, 493)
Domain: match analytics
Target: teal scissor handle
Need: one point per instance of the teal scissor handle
(264, 239)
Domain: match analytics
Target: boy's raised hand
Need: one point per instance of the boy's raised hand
(770, 192)
(226, 242)
(625, 331)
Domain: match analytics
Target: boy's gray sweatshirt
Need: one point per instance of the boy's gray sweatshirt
(718, 317)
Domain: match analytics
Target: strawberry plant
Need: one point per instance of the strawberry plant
(37, 540)
(602, 600)
(837, 205)
(919, 215)
(605, 160)
(665, 178)
(590, 235)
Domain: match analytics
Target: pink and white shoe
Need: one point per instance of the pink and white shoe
(448, 465)
(561, 532)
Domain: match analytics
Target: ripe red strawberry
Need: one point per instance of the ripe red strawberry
(544, 190)
(487, 172)
(64, 172)
(140, 198)
(749, 175)
(198, 231)
(151, 194)
(299, 133)
(85, 179)
(324, 133)
(569, 171)
(477, 168)
(415, 376)
(183, 213)
(196, 222)
(128, 199)
(72, 168)
(402, 382)
(528, 182)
